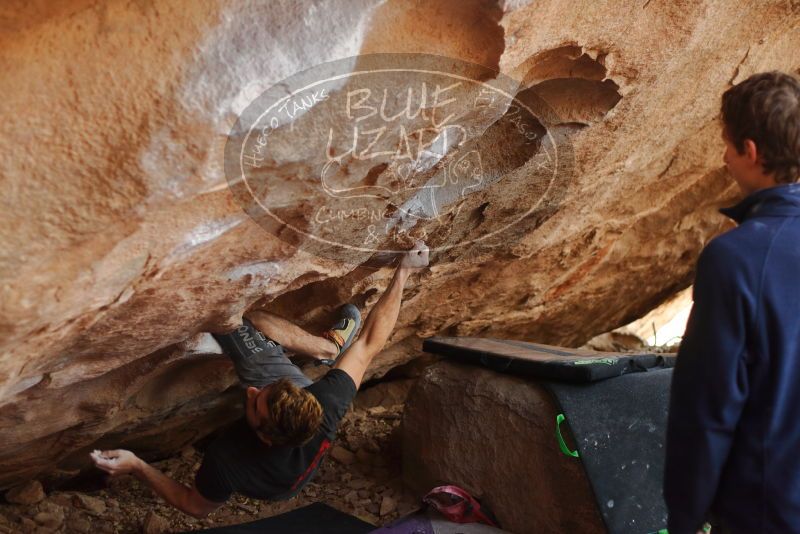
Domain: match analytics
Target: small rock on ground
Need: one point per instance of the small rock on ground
(342, 455)
(79, 525)
(49, 519)
(92, 505)
(388, 505)
(155, 524)
(28, 493)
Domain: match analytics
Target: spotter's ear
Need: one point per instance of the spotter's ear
(751, 151)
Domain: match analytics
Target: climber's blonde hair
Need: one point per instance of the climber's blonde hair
(293, 415)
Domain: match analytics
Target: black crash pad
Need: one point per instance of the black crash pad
(317, 518)
(619, 429)
(545, 361)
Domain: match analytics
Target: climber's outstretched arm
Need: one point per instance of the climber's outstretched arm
(187, 500)
(381, 319)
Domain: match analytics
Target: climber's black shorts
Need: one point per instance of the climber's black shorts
(258, 360)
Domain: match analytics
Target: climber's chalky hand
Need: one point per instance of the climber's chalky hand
(417, 257)
(117, 462)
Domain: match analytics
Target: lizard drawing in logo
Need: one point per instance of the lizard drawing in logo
(422, 188)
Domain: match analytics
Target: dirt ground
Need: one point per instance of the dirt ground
(361, 476)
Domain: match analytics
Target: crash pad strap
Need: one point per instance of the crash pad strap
(561, 443)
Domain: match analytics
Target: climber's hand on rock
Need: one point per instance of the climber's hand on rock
(118, 462)
(416, 258)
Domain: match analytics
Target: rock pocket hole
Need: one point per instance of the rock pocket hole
(573, 83)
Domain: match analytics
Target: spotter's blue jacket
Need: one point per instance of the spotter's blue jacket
(733, 437)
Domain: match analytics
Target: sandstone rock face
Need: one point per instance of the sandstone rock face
(493, 435)
(120, 242)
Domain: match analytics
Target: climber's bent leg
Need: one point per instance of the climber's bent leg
(258, 360)
(295, 339)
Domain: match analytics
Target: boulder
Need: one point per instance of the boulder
(121, 243)
(493, 435)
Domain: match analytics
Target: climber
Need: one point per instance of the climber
(289, 420)
(732, 432)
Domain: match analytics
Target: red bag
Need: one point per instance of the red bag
(457, 505)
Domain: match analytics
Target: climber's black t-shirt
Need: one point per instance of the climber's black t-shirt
(237, 461)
